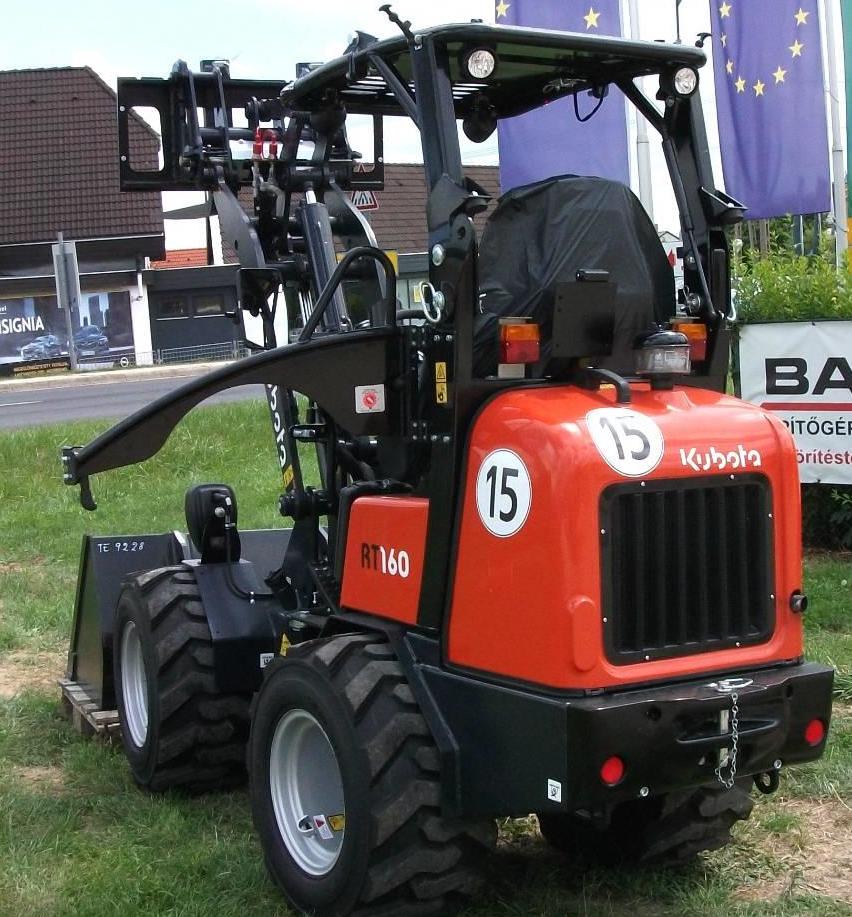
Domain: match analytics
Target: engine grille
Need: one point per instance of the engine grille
(687, 566)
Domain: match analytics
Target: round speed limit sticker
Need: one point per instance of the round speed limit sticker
(629, 442)
(503, 492)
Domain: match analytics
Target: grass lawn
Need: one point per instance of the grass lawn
(77, 837)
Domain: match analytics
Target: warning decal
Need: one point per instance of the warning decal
(369, 399)
(365, 200)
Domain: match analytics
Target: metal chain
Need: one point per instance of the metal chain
(728, 782)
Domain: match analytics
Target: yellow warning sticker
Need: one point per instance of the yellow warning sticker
(337, 822)
(440, 371)
(285, 645)
(287, 475)
(441, 392)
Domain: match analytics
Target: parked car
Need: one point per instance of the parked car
(90, 340)
(44, 347)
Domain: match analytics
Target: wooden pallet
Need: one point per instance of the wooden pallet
(88, 719)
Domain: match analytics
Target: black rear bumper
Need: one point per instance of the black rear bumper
(671, 737)
(511, 751)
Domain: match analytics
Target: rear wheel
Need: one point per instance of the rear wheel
(345, 786)
(178, 730)
(668, 829)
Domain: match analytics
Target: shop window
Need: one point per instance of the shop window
(173, 307)
(208, 304)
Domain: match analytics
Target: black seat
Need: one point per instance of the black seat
(541, 234)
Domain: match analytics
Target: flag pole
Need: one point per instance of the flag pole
(838, 156)
(643, 148)
(846, 23)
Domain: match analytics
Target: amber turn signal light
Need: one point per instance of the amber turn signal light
(696, 334)
(520, 341)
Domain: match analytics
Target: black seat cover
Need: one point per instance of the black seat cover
(542, 234)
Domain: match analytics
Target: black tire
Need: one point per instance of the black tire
(196, 737)
(398, 856)
(673, 828)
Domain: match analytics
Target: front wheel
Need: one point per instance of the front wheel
(178, 729)
(345, 788)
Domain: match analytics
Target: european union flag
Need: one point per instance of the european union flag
(771, 105)
(550, 140)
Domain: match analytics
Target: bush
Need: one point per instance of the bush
(841, 517)
(783, 286)
(827, 516)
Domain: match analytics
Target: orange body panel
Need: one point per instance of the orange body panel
(385, 545)
(528, 606)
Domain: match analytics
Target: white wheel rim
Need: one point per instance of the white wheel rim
(134, 685)
(307, 792)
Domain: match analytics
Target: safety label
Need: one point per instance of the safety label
(322, 827)
(369, 399)
(441, 392)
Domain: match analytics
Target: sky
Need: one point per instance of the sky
(265, 39)
(262, 38)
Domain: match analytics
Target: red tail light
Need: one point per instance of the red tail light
(815, 732)
(612, 771)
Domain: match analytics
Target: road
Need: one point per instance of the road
(25, 406)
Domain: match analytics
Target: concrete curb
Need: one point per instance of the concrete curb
(136, 374)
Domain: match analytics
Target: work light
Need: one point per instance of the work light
(480, 63)
(685, 81)
(661, 354)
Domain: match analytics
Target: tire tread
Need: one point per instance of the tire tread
(421, 863)
(672, 829)
(202, 733)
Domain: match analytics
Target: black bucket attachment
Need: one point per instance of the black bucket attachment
(105, 561)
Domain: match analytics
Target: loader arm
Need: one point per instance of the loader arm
(328, 370)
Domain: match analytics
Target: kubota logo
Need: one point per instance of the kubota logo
(715, 459)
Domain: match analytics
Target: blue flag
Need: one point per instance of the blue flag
(771, 105)
(550, 140)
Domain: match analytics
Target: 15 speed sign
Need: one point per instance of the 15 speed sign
(503, 492)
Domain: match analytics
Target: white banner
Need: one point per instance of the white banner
(803, 372)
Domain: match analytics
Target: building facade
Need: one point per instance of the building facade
(59, 175)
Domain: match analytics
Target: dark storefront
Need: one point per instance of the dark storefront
(189, 309)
